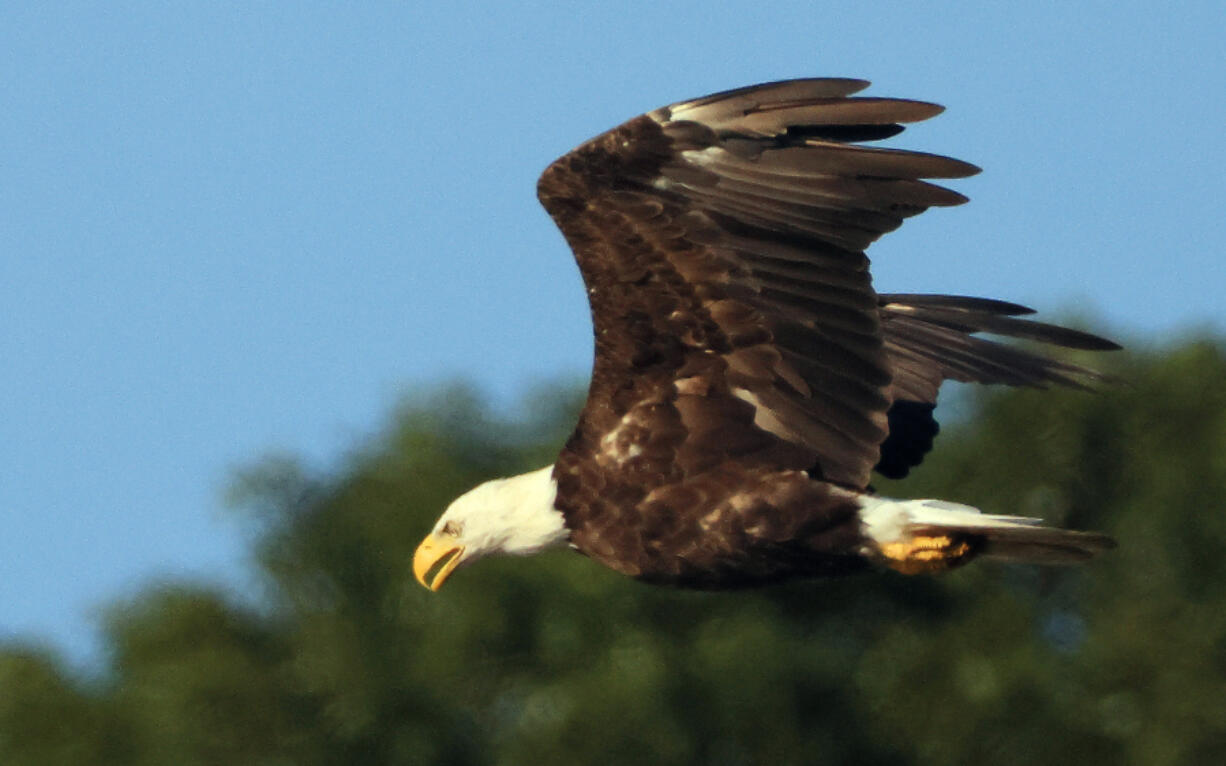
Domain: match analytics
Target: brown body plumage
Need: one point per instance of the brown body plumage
(747, 378)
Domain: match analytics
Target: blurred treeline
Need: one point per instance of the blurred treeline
(555, 660)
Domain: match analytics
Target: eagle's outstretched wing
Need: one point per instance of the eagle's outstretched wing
(721, 242)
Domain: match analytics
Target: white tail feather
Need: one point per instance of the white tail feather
(1009, 538)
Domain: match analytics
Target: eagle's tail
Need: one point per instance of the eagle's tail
(915, 536)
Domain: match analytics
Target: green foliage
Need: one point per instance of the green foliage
(556, 660)
(47, 719)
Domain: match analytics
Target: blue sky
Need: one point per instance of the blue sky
(234, 229)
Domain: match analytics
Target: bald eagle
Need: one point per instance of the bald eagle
(747, 378)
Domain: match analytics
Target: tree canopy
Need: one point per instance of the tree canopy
(344, 659)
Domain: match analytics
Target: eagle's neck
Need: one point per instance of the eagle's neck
(522, 518)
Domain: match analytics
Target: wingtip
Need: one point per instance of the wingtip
(963, 169)
(917, 111)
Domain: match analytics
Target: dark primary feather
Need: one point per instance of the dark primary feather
(740, 346)
(928, 338)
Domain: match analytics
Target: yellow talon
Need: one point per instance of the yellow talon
(924, 554)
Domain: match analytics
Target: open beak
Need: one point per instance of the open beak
(436, 556)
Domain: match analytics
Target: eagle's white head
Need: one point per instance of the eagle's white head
(514, 515)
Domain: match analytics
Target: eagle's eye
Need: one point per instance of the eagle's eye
(452, 529)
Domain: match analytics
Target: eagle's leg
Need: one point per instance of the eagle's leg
(927, 554)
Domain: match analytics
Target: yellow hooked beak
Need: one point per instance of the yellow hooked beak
(438, 554)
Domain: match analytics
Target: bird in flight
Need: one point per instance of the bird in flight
(748, 379)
